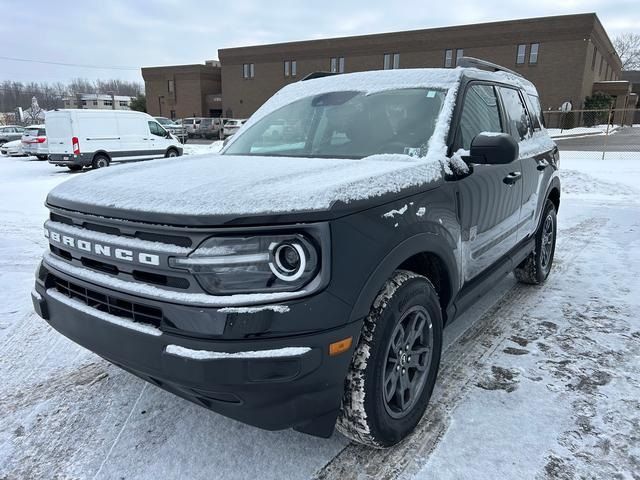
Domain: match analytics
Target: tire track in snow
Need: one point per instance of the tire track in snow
(461, 366)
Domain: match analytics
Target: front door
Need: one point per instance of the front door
(489, 197)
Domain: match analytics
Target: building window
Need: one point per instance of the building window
(593, 59)
(108, 103)
(248, 70)
(459, 54)
(294, 68)
(533, 53)
(287, 65)
(123, 103)
(95, 103)
(391, 61)
(337, 64)
(448, 58)
(171, 86)
(522, 54)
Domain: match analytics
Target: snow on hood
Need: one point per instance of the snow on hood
(236, 185)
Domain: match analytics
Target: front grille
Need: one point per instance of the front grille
(107, 303)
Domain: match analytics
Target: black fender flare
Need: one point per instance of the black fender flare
(421, 243)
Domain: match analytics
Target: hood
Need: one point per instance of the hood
(200, 187)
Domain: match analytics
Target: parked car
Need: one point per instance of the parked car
(95, 138)
(305, 283)
(10, 133)
(211, 128)
(12, 149)
(192, 124)
(176, 129)
(34, 142)
(231, 127)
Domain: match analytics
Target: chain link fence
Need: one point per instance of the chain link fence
(590, 134)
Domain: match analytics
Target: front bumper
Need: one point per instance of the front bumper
(272, 382)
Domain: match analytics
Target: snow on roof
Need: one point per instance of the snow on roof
(368, 82)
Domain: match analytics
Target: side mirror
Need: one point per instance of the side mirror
(493, 148)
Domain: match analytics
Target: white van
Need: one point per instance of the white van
(83, 138)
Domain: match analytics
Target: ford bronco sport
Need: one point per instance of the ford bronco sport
(302, 280)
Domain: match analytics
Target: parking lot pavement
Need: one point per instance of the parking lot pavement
(626, 139)
(536, 382)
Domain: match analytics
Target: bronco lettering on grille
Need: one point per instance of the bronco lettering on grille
(101, 249)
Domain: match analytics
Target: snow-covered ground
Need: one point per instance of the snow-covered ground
(535, 382)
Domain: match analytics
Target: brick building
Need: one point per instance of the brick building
(184, 90)
(562, 55)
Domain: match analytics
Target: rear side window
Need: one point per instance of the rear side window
(516, 113)
(536, 112)
(480, 113)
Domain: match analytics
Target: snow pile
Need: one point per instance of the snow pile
(264, 308)
(198, 149)
(208, 355)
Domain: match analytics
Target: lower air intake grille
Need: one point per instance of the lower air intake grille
(107, 303)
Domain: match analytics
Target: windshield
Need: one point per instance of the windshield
(164, 121)
(346, 125)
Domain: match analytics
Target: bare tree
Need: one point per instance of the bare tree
(628, 47)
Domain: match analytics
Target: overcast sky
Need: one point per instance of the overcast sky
(133, 33)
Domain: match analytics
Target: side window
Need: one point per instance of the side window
(480, 113)
(516, 113)
(536, 112)
(156, 129)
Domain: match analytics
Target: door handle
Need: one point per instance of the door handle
(512, 178)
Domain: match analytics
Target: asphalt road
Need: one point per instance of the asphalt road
(625, 139)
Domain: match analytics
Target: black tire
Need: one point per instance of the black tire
(74, 168)
(100, 161)
(369, 414)
(41, 157)
(535, 268)
(172, 153)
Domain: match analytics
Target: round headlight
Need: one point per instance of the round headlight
(289, 261)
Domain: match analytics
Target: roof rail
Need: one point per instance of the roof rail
(313, 75)
(478, 63)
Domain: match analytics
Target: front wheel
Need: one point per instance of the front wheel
(171, 153)
(395, 365)
(536, 267)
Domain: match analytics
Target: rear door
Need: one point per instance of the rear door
(489, 208)
(536, 170)
(59, 132)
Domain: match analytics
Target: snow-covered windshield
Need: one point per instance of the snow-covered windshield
(346, 124)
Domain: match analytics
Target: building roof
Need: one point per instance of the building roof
(473, 35)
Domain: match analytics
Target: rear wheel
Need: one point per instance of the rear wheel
(394, 368)
(100, 161)
(536, 267)
(74, 168)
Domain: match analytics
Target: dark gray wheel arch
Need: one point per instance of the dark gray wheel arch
(429, 243)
